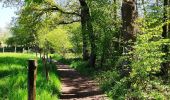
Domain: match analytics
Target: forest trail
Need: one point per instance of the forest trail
(76, 86)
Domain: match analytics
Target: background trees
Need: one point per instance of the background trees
(111, 35)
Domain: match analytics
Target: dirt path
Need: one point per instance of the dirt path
(77, 87)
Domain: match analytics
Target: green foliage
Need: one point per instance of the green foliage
(59, 40)
(82, 67)
(143, 82)
(23, 29)
(37, 25)
(148, 51)
(33, 1)
(107, 79)
(106, 25)
(75, 37)
(146, 63)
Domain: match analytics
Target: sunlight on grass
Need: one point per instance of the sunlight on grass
(13, 78)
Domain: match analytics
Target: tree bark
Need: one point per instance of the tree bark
(168, 16)
(92, 41)
(157, 2)
(115, 10)
(15, 49)
(129, 15)
(165, 65)
(87, 28)
(23, 50)
(84, 30)
(36, 50)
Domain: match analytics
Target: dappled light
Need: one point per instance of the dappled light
(85, 50)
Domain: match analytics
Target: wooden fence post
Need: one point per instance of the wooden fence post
(32, 73)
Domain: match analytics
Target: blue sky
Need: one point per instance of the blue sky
(6, 15)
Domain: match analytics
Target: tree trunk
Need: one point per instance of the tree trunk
(84, 30)
(115, 10)
(28, 50)
(36, 50)
(92, 41)
(165, 65)
(87, 28)
(144, 8)
(168, 18)
(40, 54)
(23, 50)
(157, 2)
(129, 15)
(103, 51)
(15, 49)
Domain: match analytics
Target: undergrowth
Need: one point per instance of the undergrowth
(121, 88)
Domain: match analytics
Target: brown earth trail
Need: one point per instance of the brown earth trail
(76, 86)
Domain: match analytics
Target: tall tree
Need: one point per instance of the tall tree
(129, 15)
(87, 29)
(165, 35)
(84, 9)
(169, 17)
(128, 18)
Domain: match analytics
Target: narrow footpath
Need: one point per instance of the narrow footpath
(76, 86)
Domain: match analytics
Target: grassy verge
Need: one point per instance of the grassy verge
(13, 78)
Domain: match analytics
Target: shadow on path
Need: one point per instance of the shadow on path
(77, 87)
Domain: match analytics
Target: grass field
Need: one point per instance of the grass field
(13, 78)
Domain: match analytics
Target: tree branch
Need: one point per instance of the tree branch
(69, 22)
(55, 8)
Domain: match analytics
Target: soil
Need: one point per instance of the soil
(78, 87)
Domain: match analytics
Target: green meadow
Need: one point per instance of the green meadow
(13, 78)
